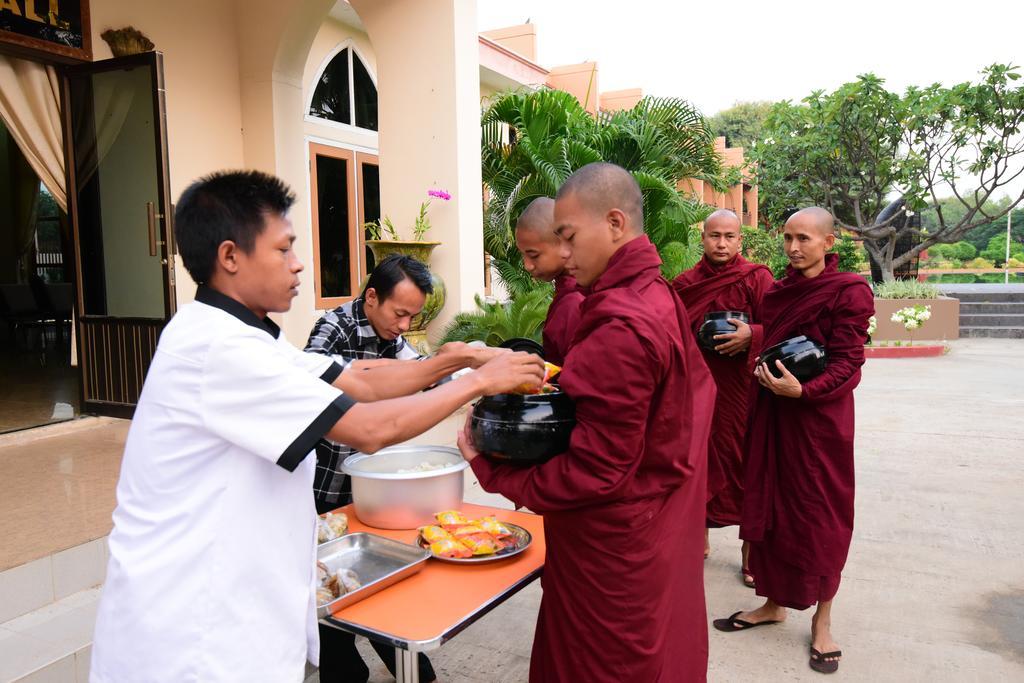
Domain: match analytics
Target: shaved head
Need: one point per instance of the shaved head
(814, 218)
(808, 236)
(723, 218)
(601, 187)
(722, 237)
(539, 217)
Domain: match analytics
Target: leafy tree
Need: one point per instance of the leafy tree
(533, 141)
(996, 250)
(855, 149)
(741, 124)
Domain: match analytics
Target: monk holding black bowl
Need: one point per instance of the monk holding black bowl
(724, 283)
(799, 479)
(624, 505)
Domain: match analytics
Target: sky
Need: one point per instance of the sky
(717, 53)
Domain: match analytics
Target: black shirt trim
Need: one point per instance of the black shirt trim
(306, 441)
(332, 373)
(211, 297)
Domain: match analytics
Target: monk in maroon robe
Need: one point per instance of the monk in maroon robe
(624, 506)
(798, 494)
(543, 259)
(725, 281)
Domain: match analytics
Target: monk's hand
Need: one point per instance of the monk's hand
(734, 342)
(465, 440)
(787, 385)
(507, 371)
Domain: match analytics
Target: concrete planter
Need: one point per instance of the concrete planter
(922, 351)
(943, 325)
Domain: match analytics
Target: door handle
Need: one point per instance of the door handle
(151, 216)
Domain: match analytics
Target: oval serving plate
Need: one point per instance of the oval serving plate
(522, 537)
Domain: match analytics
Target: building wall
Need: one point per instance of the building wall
(204, 123)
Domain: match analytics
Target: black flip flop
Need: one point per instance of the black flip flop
(733, 624)
(818, 661)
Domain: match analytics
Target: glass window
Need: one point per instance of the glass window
(365, 96)
(338, 97)
(331, 99)
(332, 193)
(371, 205)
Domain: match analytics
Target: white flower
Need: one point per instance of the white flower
(897, 317)
(872, 325)
(909, 213)
(912, 324)
(792, 134)
(769, 141)
(925, 315)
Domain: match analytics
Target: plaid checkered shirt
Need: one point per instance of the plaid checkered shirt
(346, 335)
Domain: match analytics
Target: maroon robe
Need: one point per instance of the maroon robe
(624, 506)
(563, 317)
(737, 285)
(799, 480)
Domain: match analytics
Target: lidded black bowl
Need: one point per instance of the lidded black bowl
(523, 429)
(717, 322)
(803, 357)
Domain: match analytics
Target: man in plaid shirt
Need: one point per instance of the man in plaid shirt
(365, 334)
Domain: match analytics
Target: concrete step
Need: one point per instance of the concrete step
(1003, 307)
(991, 320)
(53, 643)
(993, 332)
(988, 297)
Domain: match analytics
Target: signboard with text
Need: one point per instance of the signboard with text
(58, 29)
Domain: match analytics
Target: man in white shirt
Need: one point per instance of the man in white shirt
(211, 568)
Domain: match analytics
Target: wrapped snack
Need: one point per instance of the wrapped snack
(466, 530)
(449, 547)
(433, 533)
(550, 372)
(324, 532)
(324, 595)
(337, 522)
(348, 581)
(495, 528)
(450, 518)
(481, 544)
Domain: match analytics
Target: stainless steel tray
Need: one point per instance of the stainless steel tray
(377, 561)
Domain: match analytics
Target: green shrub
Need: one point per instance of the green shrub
(1015, 263)
(497, 322)
(763, 246)
(980, 264)
(963, 251)
(906, 289)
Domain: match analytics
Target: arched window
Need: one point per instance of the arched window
(346, 93)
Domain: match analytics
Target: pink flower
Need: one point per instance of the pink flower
(440, 194)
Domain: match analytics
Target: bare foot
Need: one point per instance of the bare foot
(769, 611)
(821, 637)
(707, 545)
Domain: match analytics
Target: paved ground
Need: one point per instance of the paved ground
(934, 588)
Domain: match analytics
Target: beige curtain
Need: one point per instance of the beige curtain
(30, 108)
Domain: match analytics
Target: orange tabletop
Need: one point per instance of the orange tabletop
(429, 608)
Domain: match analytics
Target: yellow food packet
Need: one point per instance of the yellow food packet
(550, 372)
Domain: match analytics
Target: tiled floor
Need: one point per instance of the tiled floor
(58, 491)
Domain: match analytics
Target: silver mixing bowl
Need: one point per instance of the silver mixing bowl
(385, 499)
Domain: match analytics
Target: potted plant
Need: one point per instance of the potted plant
(385, 241)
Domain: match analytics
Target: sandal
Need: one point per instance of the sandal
(733, 624)
(819, 662)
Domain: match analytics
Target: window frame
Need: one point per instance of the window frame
(354, 244)
(372, 159)
(353, 52)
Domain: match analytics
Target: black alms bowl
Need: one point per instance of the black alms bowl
(803, 357)
(526, 430)
(716, 322)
